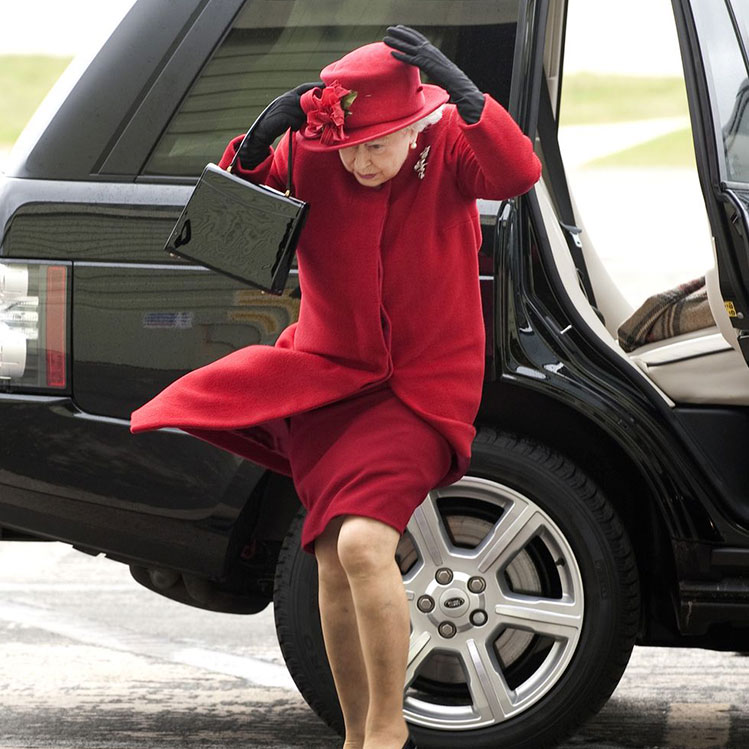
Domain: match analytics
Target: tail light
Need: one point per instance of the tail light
(34, 325)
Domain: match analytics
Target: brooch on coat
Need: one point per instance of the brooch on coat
(421, 165)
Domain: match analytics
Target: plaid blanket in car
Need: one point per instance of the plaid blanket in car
(667, 314)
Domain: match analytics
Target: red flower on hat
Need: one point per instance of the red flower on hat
(326, 110)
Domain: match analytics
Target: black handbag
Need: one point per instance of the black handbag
(245, 231)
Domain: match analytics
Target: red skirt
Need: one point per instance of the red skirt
(366, 455)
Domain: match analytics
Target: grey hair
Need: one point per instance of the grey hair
(430, 119)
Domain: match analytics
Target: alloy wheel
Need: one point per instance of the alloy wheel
(497, 605)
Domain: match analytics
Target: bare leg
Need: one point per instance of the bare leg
(366, 550)
(338, 618)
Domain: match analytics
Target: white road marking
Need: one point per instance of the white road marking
(254, 670)
(698, 725)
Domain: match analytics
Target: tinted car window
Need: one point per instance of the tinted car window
(276, 44)
(728, 81)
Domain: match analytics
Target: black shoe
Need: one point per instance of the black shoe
(409, 744)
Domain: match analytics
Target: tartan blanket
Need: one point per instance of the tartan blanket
(667, 314)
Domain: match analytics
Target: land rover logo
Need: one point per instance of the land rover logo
(454, 603)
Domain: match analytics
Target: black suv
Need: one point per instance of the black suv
(607, 500)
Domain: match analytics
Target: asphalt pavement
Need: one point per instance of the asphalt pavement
(90, 660)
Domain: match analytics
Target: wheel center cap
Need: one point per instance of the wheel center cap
(454, 602)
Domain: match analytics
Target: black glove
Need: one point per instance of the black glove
(284, 113)
(415, 49)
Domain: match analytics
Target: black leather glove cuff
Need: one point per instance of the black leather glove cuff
(253, 153)
(284, 113)
(470, 104)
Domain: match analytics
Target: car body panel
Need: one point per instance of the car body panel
(103, 198)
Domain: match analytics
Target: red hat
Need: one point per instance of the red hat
(367, 94)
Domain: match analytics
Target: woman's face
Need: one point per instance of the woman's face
(377, 161)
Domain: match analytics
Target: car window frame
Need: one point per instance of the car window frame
(208, 25)
(726, 211)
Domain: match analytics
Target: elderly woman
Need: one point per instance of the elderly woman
(368, 400)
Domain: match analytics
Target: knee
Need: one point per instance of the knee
(329, 569)
(366, 546)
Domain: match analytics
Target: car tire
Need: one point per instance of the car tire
(560, 597)
(298, 627)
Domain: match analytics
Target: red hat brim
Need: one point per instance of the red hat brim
(434, 97)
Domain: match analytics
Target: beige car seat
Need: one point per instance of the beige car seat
(703, 366)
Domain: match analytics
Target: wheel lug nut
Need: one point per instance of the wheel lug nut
(425, 604)
(447, 629)
(479, 618)
(444, 576)
(477, 585)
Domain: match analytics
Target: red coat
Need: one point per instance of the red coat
(390, 291)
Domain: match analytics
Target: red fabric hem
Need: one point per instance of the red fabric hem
(310, 534)
(241, 444)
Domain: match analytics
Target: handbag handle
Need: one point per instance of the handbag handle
(249, 132)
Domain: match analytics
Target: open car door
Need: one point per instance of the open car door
(527, 76)
(714, 39)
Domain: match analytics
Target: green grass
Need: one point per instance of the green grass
(670, 150)
(24, 82)
(589, 99)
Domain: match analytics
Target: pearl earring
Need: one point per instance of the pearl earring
(413, 144)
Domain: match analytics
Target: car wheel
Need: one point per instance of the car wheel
(524, 603)
(298, 627)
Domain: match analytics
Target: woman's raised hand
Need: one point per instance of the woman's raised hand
(283, 113)
(414, 48)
